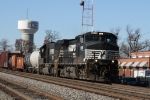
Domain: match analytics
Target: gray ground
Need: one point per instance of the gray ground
(61, 91)
(4, 96)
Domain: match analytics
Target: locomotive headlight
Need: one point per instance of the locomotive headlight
(112, 61)
(96, 60)
(100, 33)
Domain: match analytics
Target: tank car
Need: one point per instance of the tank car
(90, 56)
(31, 61)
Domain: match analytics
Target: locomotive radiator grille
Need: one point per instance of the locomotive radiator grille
(101, 54)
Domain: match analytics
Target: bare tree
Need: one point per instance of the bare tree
(10, 48)
(133, 43)
(24, 46)
(51, 36)
(4, 44)
(124, 50)
(115, 31)
(18, 45)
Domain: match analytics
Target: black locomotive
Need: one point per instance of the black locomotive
(90, 56)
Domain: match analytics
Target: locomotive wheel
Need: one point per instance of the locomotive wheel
(29, 70)
(34, 71)
(73, 72)
(82, 74)
(67, 72)
(103, 71)
(61, 72)
(99, 74)
(40, 71)
(51, 71)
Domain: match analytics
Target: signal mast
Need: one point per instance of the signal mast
(87, 15)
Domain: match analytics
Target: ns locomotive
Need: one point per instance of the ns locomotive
(90, 56)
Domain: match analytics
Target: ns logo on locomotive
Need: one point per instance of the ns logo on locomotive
(90, 56)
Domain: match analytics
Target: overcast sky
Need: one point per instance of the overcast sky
(65, 16)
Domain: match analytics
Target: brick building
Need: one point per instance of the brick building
(135, 65)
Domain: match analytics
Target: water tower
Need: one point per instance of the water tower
(28, 29)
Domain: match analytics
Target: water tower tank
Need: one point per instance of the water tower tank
(28, 28)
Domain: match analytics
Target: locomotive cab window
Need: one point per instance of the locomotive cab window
(92, 38)
(114, 40)
(108, 39)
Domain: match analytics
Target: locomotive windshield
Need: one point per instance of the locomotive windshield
(100, 39)
(92, 38)
(109, 39)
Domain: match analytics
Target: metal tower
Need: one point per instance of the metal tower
(87, 15)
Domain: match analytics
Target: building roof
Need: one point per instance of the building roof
(122, 64)
(144, 63)
(135, 64)
(129, 64)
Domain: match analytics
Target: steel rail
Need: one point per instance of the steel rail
(22, 96)
(101, 90)
(25, 97)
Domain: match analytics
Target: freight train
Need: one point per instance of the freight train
(90, 56)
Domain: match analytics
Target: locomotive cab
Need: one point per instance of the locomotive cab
(99, 51)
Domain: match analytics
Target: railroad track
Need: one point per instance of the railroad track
(114, 90)
(7, 94)
(21, 92)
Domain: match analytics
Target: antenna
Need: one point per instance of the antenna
(27, 13)
(87, 14)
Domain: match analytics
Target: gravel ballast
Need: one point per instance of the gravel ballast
(60, 91)
(4, 96)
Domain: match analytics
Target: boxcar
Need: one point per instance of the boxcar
(5, 58)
